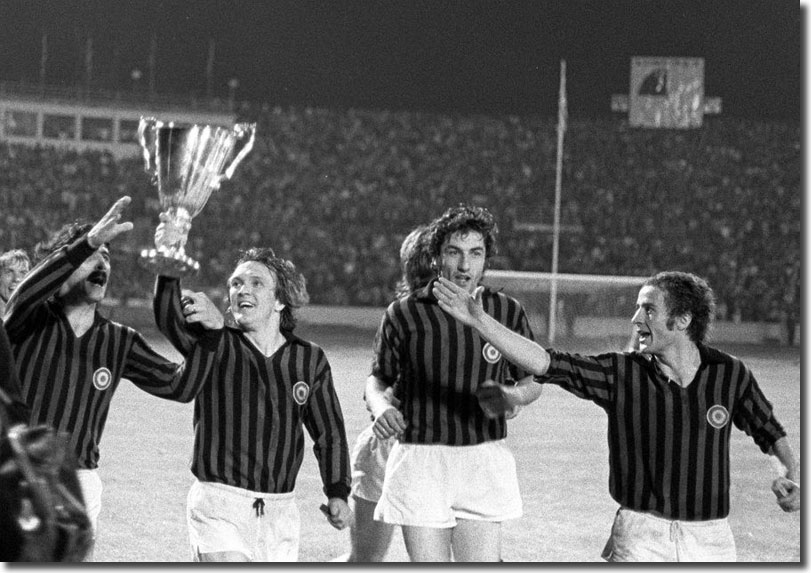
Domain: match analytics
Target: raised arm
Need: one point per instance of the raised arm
(183, 320)
(468, 309)
(45, 279)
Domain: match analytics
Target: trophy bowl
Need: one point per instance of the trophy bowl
(187, 162)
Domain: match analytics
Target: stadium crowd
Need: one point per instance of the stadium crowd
(338, 190)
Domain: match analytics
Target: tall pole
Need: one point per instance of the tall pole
(562, 117)
(43, 62)
(210, 69)
(88, 64)
(153, 55)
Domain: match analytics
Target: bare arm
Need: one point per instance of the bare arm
(389, 420)
(787, 488)
(528, 390)
(467, 309)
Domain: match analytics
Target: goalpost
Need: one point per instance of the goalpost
(585, 306)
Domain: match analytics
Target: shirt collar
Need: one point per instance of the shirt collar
(289, 336)
(707, 355)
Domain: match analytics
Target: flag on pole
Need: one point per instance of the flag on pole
(563, 112)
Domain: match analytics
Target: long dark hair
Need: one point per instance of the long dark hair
(464, 218)
(66, 235)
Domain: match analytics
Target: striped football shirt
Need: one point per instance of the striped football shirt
(669, 446)
(440, 363)
(69, 381)
(250, 414)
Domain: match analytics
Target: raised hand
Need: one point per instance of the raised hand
(199, 309)
(108, 227)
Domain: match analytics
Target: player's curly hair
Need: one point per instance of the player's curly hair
(464, 218)
(686, 293)
(291, 287)
(415, 261)
(66, 235)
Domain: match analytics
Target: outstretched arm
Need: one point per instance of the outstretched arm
(467, 309)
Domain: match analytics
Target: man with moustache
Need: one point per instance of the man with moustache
(70, 359)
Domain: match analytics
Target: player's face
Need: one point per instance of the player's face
(10, 277)
(252, 295)
(462, 259)
(653, 328)
(88, 283)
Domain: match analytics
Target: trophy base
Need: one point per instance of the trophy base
(168, 263)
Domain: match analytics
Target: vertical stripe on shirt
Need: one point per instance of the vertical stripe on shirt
(439, 364)
(248, 424)
(669, 445)
(63, 376)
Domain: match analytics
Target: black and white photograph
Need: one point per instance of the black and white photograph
(505, 281)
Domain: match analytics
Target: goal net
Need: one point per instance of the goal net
(586, 306)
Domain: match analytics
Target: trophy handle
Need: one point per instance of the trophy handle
(241, 129)
(146, 125)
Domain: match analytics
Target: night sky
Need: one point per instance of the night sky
(467, 55)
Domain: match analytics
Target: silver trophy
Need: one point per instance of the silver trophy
(187, 163)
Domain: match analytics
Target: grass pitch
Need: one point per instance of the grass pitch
(559, 444)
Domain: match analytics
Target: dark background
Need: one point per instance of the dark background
(432, 55)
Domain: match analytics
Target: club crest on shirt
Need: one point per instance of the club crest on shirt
(300, 392)
(490, 353)
(718, 416)
(102, 378)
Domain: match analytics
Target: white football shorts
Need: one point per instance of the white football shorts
(641, 537)
(261, 526)
(434, 485)
(91, 485)
(369, 457)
